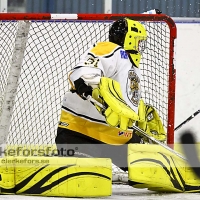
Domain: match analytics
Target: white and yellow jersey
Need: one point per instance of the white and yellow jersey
(112, 61)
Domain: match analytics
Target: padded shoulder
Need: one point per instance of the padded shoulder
(104, 48)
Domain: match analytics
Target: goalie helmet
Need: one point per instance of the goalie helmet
(131, 35)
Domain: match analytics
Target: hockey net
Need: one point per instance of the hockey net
(37, 52)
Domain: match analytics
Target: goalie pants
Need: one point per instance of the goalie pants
(71, 143)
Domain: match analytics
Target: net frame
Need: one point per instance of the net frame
(5, 120)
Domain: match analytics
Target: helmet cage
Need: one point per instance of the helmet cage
(142, 46)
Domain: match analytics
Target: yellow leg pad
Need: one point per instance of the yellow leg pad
(7, 176)
(59, 176)
(153, 167)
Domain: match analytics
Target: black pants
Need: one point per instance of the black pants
(68, 141)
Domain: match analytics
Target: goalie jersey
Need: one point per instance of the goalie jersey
(109, 60)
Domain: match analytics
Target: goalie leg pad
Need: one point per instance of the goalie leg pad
(7, 177)
(155, 168)
(56, 176)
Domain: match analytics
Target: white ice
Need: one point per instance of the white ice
(122, 192)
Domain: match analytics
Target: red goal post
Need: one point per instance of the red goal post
(38, 50)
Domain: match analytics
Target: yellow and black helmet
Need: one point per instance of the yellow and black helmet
(131, 35)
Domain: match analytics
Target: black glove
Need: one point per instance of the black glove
(82, 89)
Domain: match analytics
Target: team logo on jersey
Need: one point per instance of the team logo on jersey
(134, 92)
(92, 62)
(123, 54)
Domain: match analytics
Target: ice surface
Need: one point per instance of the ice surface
(122, 192)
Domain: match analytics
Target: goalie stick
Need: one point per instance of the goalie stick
(89, 98)
(187, 120)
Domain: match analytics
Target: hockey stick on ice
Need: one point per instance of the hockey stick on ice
(89, 98)
(187, 120)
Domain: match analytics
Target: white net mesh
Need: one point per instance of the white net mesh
(52, 49)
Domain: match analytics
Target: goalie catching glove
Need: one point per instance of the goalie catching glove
(116, 111)
(150, 122)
